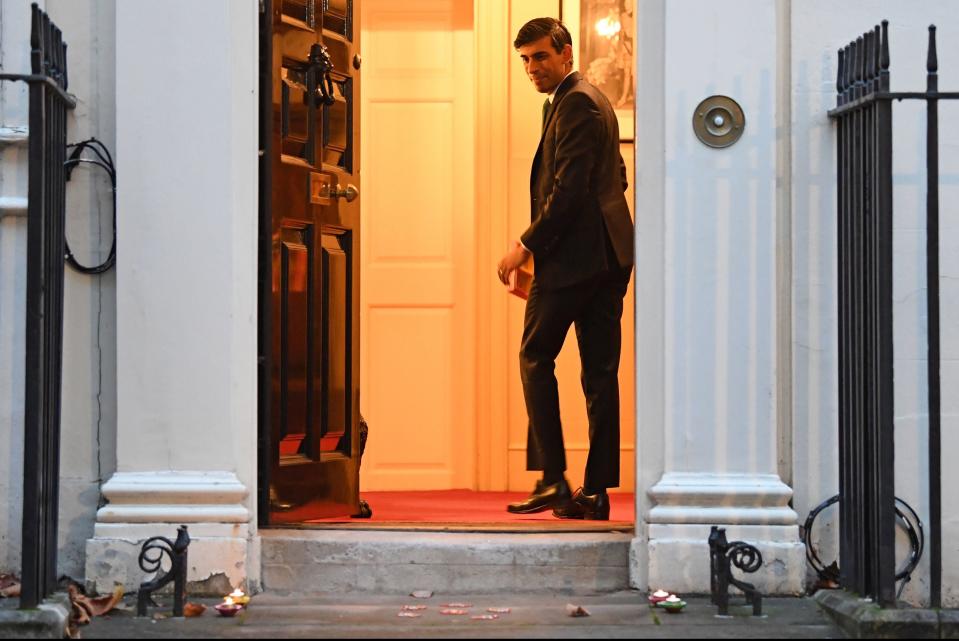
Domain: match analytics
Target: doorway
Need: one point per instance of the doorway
(449, 127)
(432, 367)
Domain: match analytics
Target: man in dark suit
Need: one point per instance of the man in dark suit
(581, 240)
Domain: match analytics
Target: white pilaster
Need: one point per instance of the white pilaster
(186, 290)
(711, 313)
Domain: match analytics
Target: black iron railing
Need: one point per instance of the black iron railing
(866, 435)
(49, 103)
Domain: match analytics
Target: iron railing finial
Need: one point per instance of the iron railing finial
(884, 56)
(860, 60)
(932, 60)
(839, 75)
(877, 53)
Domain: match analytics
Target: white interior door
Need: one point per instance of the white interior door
(418, 255)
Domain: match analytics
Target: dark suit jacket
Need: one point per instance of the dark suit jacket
(576, 190)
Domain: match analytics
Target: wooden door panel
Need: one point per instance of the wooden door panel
(337, 375)
(418, 428)
(294, 356)
(298, 12)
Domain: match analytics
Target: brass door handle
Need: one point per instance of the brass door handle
(350, 193)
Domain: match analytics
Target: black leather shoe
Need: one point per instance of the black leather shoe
(593, 507)
(543, 498)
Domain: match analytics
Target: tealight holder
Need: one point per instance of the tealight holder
(673, 604)
(228, 608)
(658, 596)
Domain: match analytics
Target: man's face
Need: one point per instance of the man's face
(544, 66)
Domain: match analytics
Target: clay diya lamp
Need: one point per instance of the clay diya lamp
(228, 608)
(673, 604)
(658, 596)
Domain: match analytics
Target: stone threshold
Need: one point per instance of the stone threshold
(397, 562)
(862, 619)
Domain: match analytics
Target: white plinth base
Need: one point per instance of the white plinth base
(752, 507)
(679, 558)
(146, 504)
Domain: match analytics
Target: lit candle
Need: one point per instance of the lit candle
(239, 597)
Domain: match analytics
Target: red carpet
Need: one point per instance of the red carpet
(466, 509)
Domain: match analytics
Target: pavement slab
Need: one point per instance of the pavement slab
(619, 615)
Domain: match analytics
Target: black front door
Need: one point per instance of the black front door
(309, 255)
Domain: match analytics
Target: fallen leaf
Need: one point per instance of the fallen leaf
(408, 615)
(101, 605)
(84, 608)
(413, 608)
(499, 610)
(454, 611)
(193, 609)
(576, 610)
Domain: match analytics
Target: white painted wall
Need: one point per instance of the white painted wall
(186, 278)
(713, 347)
(819, 28)
(89, 369)
(14, 57)
(187, 143)
(707, 305)
(720, 272)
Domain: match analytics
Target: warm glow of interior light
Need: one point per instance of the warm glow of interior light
(608, 26)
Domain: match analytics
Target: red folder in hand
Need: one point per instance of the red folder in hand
(520, 280)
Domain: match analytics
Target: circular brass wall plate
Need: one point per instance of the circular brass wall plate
(719, 121)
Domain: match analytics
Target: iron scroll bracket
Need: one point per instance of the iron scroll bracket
(723, 555)
(154, 550)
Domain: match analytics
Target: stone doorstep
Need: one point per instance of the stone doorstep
(862, 619)
(48, 621)
(397, 562)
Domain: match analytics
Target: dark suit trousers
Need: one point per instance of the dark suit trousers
(595, 307)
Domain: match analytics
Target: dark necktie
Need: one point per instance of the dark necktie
(546, 105)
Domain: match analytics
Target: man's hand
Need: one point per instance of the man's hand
(513, 260)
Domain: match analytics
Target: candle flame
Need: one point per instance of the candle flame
(227, 601)
(236, 593)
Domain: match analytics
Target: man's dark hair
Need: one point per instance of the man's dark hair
(539, 27)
